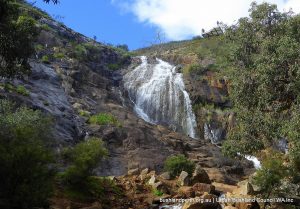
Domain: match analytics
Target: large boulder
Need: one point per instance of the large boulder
(201, 188)
(245, 188)
(183, 179)
(200, 176)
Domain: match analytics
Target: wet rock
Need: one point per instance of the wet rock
(214, 134)
(183, 179)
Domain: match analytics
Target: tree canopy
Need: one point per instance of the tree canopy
(264, 72)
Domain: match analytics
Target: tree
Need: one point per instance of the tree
(270, 176)
(84, 158)
(264, 71)
(25, 161)
(17, 34)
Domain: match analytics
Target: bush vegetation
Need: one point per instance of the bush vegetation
(22, 90)
(104, 119)
(176, 164)
(263, 67)
(25, 171)
(17, 34)
(83, 159)
(45, 59)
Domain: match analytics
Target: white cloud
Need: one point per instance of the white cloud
(179, 19)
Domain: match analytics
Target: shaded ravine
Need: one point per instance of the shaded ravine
(159, 96)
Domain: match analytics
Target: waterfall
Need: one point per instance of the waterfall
(159, 96)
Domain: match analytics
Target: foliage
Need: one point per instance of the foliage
(113, 66)
(38, 47)
(22, 90)
(176, 164)
(46, 27)
(25, 171)
(45, 59)
(17, 34)
(104, 119)
(263, 68)
(158, 192)
(80, 52)
(123, 47)
(84, 158)
(271, 175)
(84, 113)
(59, 55)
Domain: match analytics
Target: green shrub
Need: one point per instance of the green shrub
(22, 90)
(45, 59)
(59, 55)
(9, 87)
(45, 27)
(25, 172)
(38, 47)
(80, 52)
(84, 158)
(104, 119)
(271, 175)
(84, 113)
(176, 164)
(113, 66)
(158, 192)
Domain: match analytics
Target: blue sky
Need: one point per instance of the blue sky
(136, 22)
(102, 19)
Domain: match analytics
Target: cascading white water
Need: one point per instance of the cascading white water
(159, 96)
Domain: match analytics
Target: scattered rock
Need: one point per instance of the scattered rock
(183, 179)
(200, 176)
(143, 174)
(246, 188)
(165, 175)
(152, 180)
(201, 188)
(133, 172)
(196, 204)
(186, 192)
(160, 187)
(77, 106)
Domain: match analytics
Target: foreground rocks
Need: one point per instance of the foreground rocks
(147, 189)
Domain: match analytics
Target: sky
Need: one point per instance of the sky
(137, 22)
